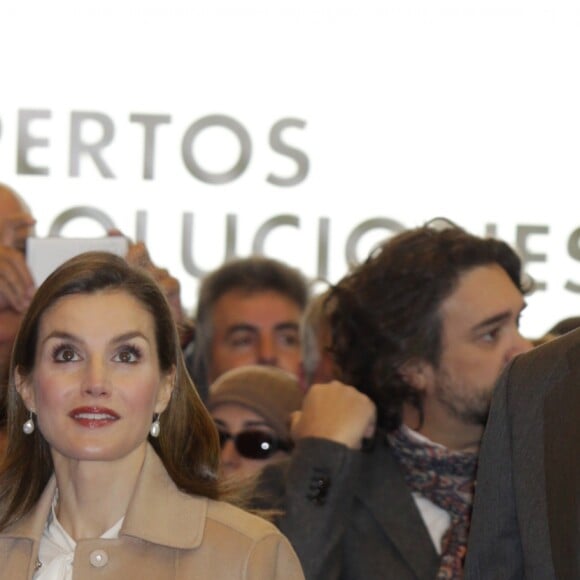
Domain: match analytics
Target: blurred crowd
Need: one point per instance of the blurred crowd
(357, 419)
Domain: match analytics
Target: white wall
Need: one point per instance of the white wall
(401, 111)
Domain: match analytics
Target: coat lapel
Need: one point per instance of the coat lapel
(29, 529)
(384, 491)
(562, 468)
(172, 518)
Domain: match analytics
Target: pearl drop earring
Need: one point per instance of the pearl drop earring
(155, 426)
(28, 426)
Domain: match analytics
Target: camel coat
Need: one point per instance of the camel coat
(166, 534)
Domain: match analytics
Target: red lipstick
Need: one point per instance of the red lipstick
(93, 417)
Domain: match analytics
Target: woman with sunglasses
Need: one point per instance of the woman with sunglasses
(111, 463)
(251, 406)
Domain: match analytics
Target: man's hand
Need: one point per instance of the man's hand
(337, 412)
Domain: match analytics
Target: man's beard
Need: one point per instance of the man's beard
(470, 405)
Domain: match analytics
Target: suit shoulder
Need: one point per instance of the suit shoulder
(550, 354)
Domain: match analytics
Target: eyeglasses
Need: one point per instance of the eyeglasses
(255, 444)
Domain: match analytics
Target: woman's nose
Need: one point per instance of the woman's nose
(229, 457)
(96, 381)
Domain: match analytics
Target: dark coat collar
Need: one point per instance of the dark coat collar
(383, 490)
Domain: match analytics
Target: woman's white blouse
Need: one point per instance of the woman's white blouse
(57, 549)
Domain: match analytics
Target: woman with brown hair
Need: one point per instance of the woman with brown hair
(112, 457)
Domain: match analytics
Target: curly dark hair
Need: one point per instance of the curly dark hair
(386, 311)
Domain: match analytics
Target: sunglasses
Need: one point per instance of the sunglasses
(255, 444)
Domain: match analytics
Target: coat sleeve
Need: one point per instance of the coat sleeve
(318, 493)
(494, 548)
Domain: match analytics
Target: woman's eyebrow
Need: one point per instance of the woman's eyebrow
(129, 335)
(61, 335)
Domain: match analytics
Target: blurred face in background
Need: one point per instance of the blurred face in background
(260, 328)
(16, 287)
(248, 443)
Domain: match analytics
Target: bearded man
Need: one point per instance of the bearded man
(381, 480)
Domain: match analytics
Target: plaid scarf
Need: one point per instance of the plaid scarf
(446, 478)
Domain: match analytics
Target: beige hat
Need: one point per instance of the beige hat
(268, 391)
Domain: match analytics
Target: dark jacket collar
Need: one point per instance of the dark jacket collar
(383, 490)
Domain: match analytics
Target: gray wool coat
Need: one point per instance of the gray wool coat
(526, 519)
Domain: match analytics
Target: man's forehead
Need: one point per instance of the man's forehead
(481, 293)
(255, 308)
(11, 202)
(258, 298)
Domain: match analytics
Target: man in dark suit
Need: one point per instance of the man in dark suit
(526, 520)
(380, 483)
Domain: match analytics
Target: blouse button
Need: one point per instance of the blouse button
(99, 558)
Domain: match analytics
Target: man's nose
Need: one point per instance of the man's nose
(520, 345)
(267, 352)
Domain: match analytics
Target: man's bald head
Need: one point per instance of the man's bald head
(11, 202)
(15, 219)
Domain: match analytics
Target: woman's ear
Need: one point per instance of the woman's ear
(165, 390)
(418, 373)
(25, 390)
